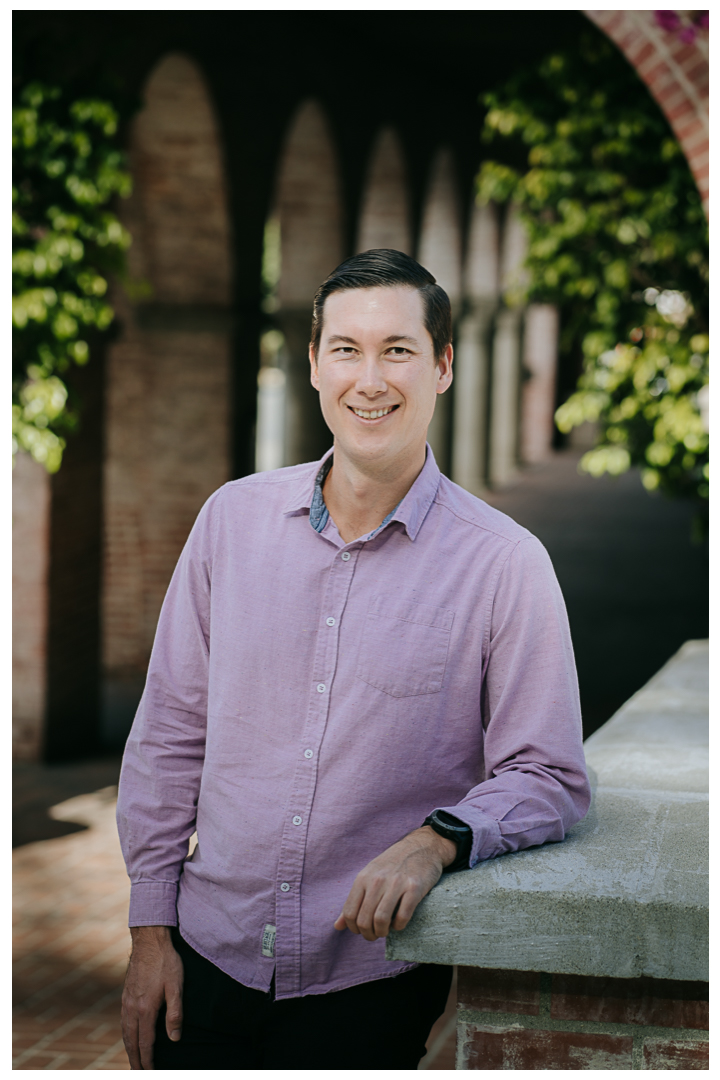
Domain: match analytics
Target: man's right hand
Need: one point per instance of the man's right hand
(154, 978)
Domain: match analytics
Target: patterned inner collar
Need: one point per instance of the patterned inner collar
(318, 510)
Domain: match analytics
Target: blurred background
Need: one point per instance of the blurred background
(183, 182)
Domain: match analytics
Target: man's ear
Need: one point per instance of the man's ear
(313, 368)
(445, 372)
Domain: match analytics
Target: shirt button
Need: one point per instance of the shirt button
(345, 556)
(308, 753)
(297, 820)
(284, 887)
(321, 688)
(330, 621)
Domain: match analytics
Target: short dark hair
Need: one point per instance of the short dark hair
(385, 268)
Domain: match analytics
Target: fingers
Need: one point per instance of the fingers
(174, 1017)
(130, 1041)
(146, 1040)
(389, 888)
(406, 908)
(370, 906)
(351, 907)
(154, 978)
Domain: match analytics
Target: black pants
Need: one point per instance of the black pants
(377, 1025)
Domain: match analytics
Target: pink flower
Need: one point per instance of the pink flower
(667, 20)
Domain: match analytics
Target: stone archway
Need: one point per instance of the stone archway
(674, 66)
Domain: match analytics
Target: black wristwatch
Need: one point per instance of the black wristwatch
(452, 828)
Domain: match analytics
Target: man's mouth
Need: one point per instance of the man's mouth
(373, 414)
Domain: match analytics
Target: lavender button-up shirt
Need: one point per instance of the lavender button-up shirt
(309, 702)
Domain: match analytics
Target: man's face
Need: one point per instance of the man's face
(376, 373)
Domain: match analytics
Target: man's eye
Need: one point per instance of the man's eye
(399, 350)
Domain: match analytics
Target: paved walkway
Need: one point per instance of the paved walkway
(71, 941)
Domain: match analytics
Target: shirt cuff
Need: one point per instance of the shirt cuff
(153, 903)
(487, 841)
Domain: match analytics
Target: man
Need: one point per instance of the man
(362, 677)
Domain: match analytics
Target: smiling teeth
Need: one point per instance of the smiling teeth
(374, 414)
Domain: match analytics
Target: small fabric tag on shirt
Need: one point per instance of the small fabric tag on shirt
(268, 940)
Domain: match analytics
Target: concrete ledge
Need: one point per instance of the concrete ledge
(626, 894)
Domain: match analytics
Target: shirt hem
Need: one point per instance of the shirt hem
(303, 993)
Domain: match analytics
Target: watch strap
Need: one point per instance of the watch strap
(445, 824)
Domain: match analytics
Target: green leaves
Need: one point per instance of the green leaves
(618, 240)
(66, 242)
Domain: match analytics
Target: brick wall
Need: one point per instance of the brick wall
(529, 1020)
(30, 523)
(168, 378)
(677, 74)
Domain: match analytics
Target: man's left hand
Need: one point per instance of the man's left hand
(385, 894)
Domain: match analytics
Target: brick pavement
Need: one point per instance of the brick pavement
(71, 940)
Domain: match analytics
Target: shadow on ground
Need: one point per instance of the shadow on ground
(37, 787)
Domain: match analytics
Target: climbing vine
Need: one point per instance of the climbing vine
(67, 168)
(618, 239)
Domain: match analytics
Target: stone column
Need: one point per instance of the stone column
(439, 252)
(270, 441)
(504, 398)
(307, 436)
(472, 365)
(472, 353)
(505, 391)
(540, 350)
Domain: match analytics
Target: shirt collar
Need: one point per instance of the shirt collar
(411, 510)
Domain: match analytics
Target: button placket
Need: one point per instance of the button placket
(292, 851)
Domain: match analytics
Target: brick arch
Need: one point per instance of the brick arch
(308, 209)
(308, 206)
(385, 210)
(677, 74)
(167, 419)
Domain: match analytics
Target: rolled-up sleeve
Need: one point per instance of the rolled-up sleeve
(163, 761)
(536, 784)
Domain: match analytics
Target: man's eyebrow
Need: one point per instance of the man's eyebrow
(400, 337)
(390, 340)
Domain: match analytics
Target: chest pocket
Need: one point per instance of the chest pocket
(404, 647)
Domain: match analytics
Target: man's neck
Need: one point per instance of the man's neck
(359, 497)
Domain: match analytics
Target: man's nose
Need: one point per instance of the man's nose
(370, 380)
